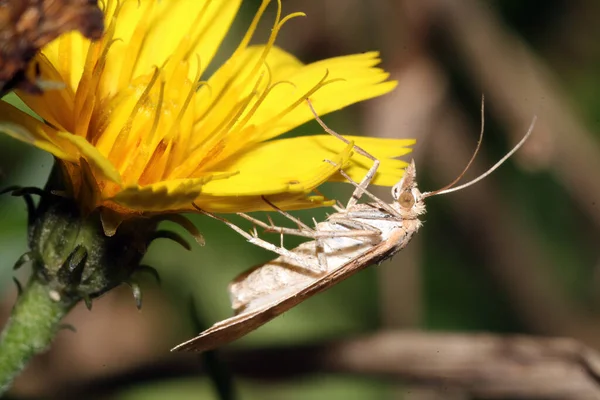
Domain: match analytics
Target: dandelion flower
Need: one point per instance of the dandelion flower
(139, 129)
(141, 132)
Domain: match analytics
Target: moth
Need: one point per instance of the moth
(351, 239)
(27, 25)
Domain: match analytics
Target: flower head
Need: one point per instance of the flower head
(138, 128)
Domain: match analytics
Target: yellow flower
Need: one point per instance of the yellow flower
(137, 132)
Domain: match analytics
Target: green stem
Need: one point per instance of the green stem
(34, 322)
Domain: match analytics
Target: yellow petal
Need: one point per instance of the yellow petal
(131, 144)
(23, 127)
(229, 204)
(145, 35)
(296, 165)
(274, 90)
(63, 59)
(54, 105)
(179, 28)
(98, 163)
(353, 78)
(161, 197)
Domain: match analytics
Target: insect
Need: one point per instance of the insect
(354, 237)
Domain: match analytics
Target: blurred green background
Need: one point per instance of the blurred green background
(517, 253)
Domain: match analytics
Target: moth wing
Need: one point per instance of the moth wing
(233, 328)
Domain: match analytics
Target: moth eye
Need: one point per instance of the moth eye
(406, 200)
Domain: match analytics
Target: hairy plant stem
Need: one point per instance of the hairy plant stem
(73, 259)
(32, 326)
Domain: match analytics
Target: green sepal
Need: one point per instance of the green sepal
(25, 258)
(19, 286)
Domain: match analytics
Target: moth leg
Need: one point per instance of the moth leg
(339, 207)
(359, 230)
(320, 250)
(272, 228)
(289, 216)
(356, 226)
(366, 181)
(362, 186)
(324, 234)
(376, 199)
(254, 239)
(347, 234)
(313, 234)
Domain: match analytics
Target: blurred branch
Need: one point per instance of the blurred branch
(519, 85)
(511, 250)
(486, 366)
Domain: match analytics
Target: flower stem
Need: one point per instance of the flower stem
(34, 322)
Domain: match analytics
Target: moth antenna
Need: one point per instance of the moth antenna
(459, 177)
(493, 168)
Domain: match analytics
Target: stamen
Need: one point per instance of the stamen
(277, 25)
(322, 83)
(85, 114)
(182, 145)
(141, 160)
(196, 169)
(271, 41)
(274, 32)
(155, 165)
(200, 34)
(198, 157)
(235, 74)
(261, 99)
(157, 112)
(184, 49)
(251, 29)
(82, 91)
(160, 168)
(248, 137)
(96, 51)
(118, 147)
(136, 44)
(194, 87)
(66, 57)
(231, 116)
(101, 120)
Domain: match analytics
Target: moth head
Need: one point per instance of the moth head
(407, 197)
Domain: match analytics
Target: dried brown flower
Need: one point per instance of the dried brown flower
(27, 25)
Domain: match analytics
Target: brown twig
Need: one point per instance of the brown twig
(482, 365)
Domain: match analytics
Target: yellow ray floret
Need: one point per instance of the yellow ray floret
(139, 128)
